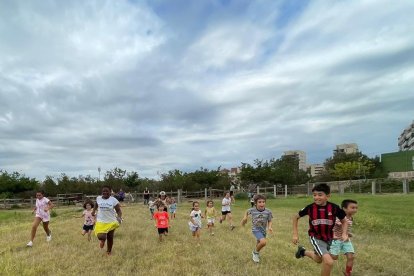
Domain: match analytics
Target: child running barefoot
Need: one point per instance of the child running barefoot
(161, 221)
(261, 219)
(195, 221)
(210, 213)
(172, 208)
(89, 219)
(43, 206)
(338, 246)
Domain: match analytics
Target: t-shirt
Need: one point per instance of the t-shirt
(106, 209)
(196, 216)
(41, 205)
(260, 218)
(89, 219)
(322, 219)
(210, 212)
(337, 230)
(225, 204)
(173, 206)
(162, 219)
(146, 194)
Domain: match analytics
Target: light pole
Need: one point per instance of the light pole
(99, 174)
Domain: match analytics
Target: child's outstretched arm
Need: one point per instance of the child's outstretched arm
(295, 238)
(244, 220)
(269, 226)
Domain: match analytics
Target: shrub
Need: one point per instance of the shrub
(241, 196)
(53, 214)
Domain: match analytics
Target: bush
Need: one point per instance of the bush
(241, 196)
(269, 196)
(53, 214)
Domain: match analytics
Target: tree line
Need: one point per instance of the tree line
(284, 170)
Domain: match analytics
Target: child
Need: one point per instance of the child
(161, 221)
(152, 207)
(252, 200)
(89, 219)
(210, 213)
(261, 219)
(195, 221)
(173, 207)
(226, 211)
(322, 215)
(42, 208)
(345, 247)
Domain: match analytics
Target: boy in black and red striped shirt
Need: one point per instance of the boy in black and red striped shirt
(322, 215)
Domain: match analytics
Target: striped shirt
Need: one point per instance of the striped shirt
(337, 230)
(322, 219)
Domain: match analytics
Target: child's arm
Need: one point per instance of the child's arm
(269, 226)
(49, 206)
(192, 220)
(95, 207)
(118, 212)
(295, 238)
(244, 220)
(344, 229)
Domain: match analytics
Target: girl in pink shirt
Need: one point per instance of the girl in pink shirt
(89, 219)
(43, 206)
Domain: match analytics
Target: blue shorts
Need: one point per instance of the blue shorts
(338, 247)
(259, 235)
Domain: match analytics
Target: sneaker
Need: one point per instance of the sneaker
(29, 244)
(49, 238)
(300, 253)
(232, 227)
(255, 257)
(212, 233)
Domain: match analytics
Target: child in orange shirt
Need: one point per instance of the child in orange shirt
(161, 221)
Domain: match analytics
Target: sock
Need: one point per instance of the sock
(348, 269)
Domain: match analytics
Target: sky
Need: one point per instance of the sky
(151, 86)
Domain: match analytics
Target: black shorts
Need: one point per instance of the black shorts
(231, 193)
(225, 212)
(87, 227)
(162, 230)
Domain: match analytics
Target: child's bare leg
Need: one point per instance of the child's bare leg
(260, 244)
(313, 256)
(89, 235)
(230, 219)
(83, 232)
(160, 237)
(102, 238)
(46, 227)
(110, 241)
(327, 264)
(36, 223)
(349, 263)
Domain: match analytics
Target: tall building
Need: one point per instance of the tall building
(346, 148)
(406, 139)
(316, 169)
(301, 156)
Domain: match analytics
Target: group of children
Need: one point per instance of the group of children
(329, 224)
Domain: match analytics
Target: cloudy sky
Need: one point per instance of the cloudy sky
(156, 85)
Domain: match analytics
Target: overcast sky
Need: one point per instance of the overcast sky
(150, 86)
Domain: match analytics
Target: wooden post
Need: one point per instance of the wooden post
(205, 194)
(341, 188)
(179, 195)
(373, 188)
(404, 182)
(211, 193)
(258, 189)
(274, 190)
(286, 193)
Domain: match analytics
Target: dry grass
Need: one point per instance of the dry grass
(138, 252)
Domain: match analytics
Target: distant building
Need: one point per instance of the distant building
(316, 169)
(399, 164)
(406, 139)
(301, 156)
(346, 148)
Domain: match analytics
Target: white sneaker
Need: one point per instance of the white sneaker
(49, 238)
(29, 244)
(255, 257)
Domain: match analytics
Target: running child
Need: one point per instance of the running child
(226, 210)
(152, 207)
(42, 210)
(172, 208)
(210, 213)
(338, 246)
(89, 221)
(261, 220)
(161, 221)
(195, 221)
(322, 215)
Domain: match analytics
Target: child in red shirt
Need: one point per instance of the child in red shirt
(161, 221)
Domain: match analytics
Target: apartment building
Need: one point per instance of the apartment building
(406, 139)
(301, 156)
(316, 169)
(346, 148)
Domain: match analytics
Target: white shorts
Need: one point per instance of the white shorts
(193, 227)
(210, 221)
(45, 217)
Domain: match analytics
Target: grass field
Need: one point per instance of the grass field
(383, 228)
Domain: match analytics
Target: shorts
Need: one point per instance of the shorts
(193, 227)
(338, 247)
(87, 227)
(231, 193)
(172, 211)
(259, 235)
(225, 212)
(321, 247)
(162, 230)
(44, 218)
(104, 228)
(210, 221)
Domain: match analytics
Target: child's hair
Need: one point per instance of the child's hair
(107, 187)
(160, 205)
(226, 192)
(346, 202)
(40, 192)
(322, 187)
(90, 202)
(259, 196)
(208, 201)
(194, 203)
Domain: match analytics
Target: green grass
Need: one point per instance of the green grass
(384, 238)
